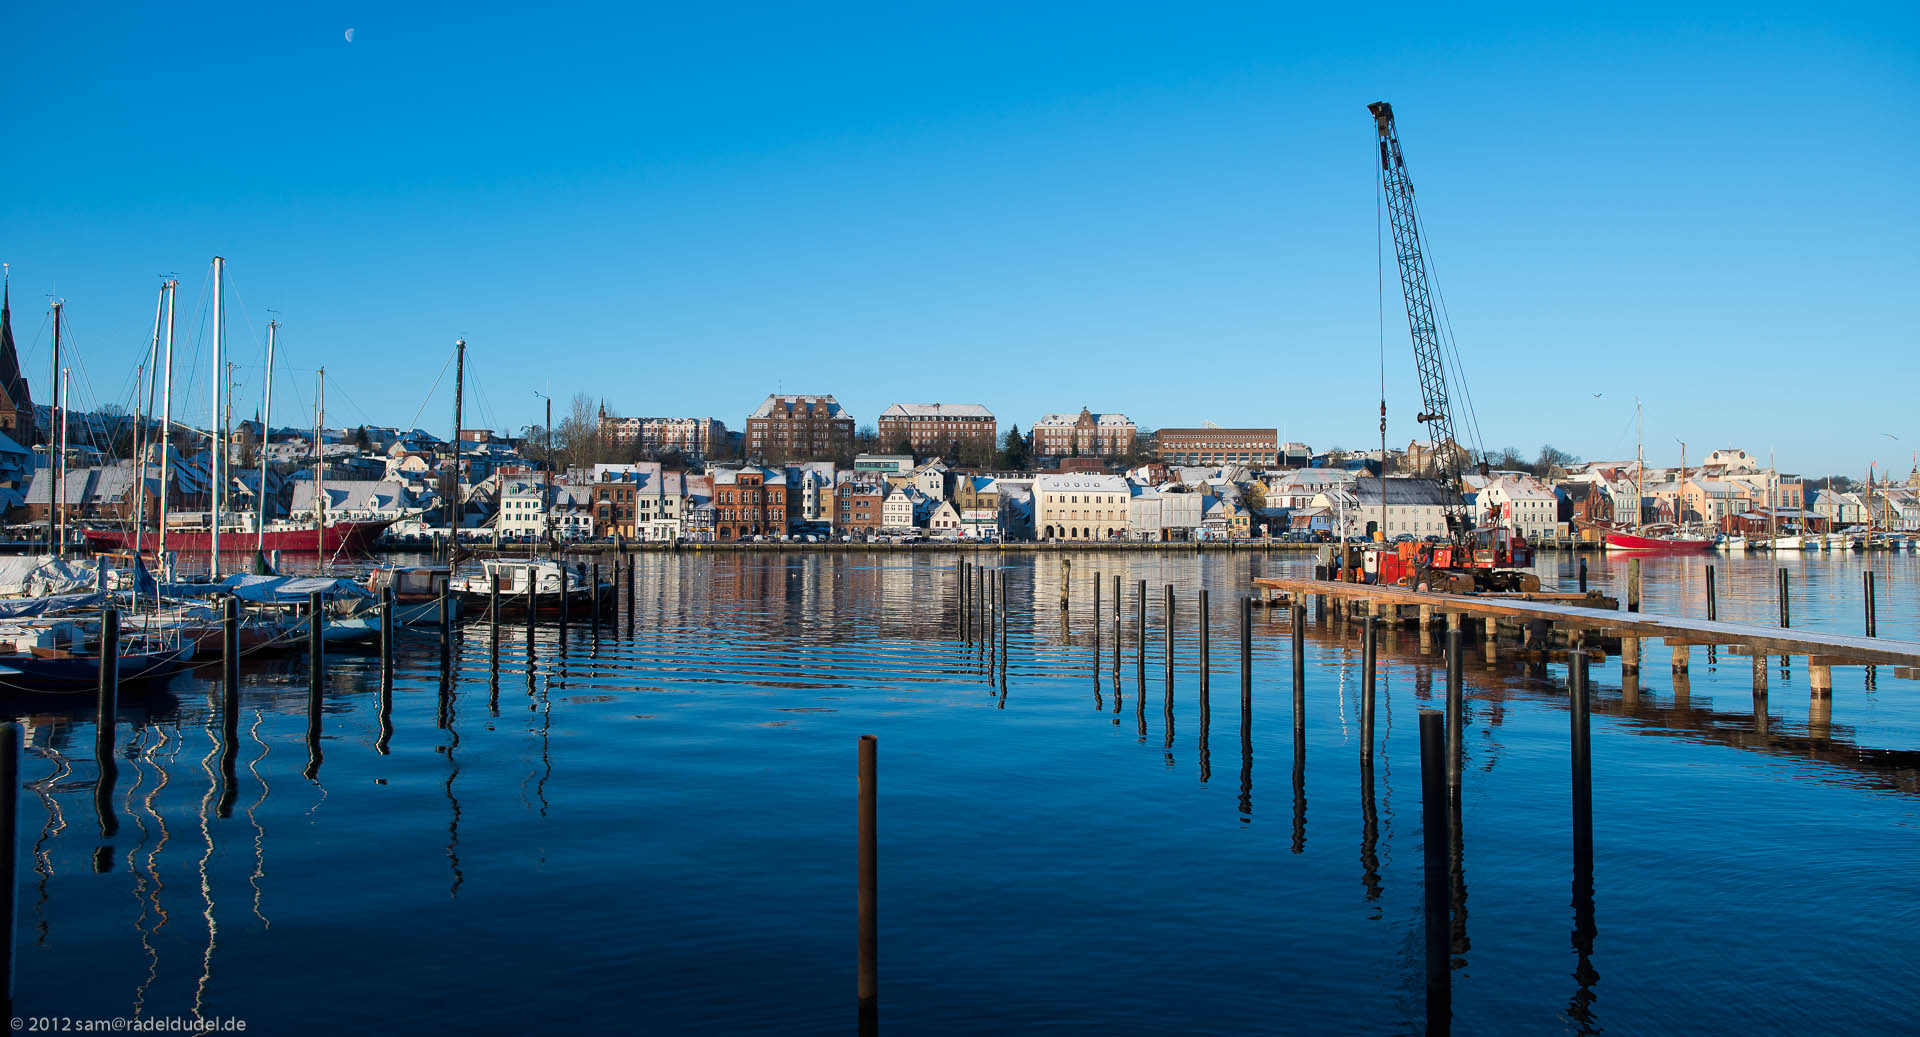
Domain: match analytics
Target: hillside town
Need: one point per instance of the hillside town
(804, 470)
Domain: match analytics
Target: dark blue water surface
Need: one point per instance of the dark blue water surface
(656, 832)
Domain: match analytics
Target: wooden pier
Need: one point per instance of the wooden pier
(1591, 622)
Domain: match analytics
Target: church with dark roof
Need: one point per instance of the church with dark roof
(16, 404)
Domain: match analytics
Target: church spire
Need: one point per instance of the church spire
(16, 405)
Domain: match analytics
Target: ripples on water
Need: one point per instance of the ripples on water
(656, 832)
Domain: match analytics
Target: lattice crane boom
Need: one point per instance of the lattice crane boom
(1436, 409)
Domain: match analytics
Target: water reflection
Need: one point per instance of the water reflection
(718, 641)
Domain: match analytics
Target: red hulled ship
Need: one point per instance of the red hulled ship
(336, 538)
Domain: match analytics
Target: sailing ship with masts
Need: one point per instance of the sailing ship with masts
(222, 529)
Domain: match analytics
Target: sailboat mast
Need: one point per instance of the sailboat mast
(266, 434)
(453, 503)
(1639, 466)
(218, 470)
(1680, 512)
(143, 399)
(1773, 505)
(319, 474)
(56, 438)
(65, 378)
(166, 424)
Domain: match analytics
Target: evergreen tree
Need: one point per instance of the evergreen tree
(1013, 451)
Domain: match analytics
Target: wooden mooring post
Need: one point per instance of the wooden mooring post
(1096, 625)
(1579, 744)
(1005, 615)
(230, 650)
(966, 629)
(1633, 585)
(1369, 659)
(1116, 629)
(10, 741)
(1713, 606)
(316, 665)
(1867, 579)
(868, 869)
(1455, 706)
(1786, 610)
(1297, 616)
(387, 633)
(1436, 891)
(1140, 636)
(633, 603)
(445, 604)
(1246, 655)
(593, 613)
(1206, 651)
(1169, 634)
(108, 706)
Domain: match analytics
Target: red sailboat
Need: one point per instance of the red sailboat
(341, 537)
(1661, 536)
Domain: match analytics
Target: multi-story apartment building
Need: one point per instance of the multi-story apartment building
(799, 428)
(749, 502)
(934, 428)
(1080, 507)
(859, 505)
(976, 499)
(810, 493)
(1210, 445)
(1527, 505)
(1085, 434)
(900, 509)
(615, 505)
(692, 436)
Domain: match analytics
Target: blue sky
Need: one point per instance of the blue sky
(1164, 211)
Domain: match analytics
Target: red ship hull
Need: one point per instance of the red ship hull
(1636, 542)
(336, 538)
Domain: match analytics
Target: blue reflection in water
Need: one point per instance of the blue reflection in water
(660, 826)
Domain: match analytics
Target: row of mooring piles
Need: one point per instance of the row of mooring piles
(1442, 771)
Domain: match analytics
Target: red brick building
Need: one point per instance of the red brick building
(749, 502)
(857, 506)
(1259, 447)
(935, 428)
(798, 428)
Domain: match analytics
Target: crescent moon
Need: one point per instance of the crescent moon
(349, 35)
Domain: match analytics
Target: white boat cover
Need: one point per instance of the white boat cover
(292, 589)
(34, 576)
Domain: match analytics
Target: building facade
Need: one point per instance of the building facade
(1080, 507)
(935, 428)
(799, 428)
(1085, 435)
(976, 498)
(749, 502)
(858, 506)
(1255, 447)
(693, 436)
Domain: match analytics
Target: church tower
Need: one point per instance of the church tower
(16, 406)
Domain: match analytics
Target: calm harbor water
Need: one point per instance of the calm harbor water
(655, 832)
